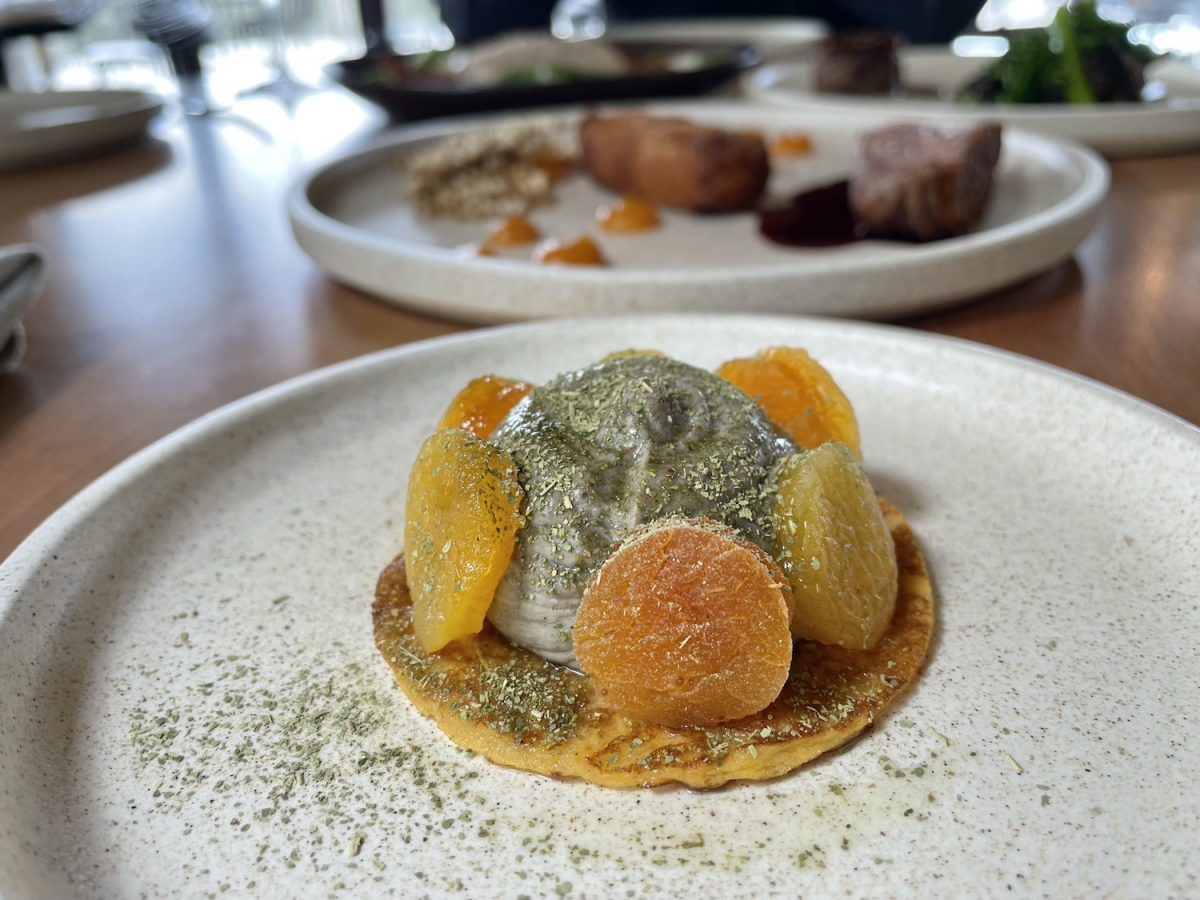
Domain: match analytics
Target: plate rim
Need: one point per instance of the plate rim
(22, 564)
(122, 117)
(759, 86)
(132, 102)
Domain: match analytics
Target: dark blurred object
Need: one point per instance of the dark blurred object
(407, 89)
(39, 17)
(927, 22)
(373, 26)
(1080, 58)
(181, 27)
(920, 181)
(858, 62)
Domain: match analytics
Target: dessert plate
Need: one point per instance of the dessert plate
(53, 126)
(1167, 125)
(193, 702)
(352, 217)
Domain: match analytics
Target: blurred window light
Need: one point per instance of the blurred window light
(980, 45)
(1004, 14)
(1179, 35)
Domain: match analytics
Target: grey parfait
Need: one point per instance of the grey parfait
(611, 447)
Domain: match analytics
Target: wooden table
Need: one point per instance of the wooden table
(176, 288)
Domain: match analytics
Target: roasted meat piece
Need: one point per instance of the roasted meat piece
(924, 181)
(858, 62)
(674, 162)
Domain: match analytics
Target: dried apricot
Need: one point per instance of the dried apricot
(686, 624)
(483, 404)
(835, 549)
(798, 395)
(462, 516)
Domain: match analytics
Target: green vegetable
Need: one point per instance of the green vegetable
(1062, 36)
(1081, 58)
(544, 74)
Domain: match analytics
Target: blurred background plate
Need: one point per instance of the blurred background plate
(353, 218)
(391, 82)
(38, 128)
(770, 36)
(1170, 125)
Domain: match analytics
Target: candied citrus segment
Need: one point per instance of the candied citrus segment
(835, 549)
(686, 624)
(463, 512)
(798, 395)
(483, 404)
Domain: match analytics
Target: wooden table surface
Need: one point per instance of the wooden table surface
(176, 288)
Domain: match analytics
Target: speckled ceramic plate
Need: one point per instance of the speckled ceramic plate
(192, 702)
(1167, 125)
(352, 218)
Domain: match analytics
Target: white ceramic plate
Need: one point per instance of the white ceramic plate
(38, 128)
(775, 38)
(192, 700)
(352, 217)
(1171, 125)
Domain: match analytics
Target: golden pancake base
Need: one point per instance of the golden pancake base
(518, 710)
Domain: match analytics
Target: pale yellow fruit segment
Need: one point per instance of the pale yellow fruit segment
(835, 549)
(462, 517)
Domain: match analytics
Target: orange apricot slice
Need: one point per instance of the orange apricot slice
(462, 517)
(483, 404)
(835, 549)
(686, 624)
(798, 395)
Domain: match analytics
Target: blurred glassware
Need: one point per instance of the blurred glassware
(575, 20)
(22, 272)
(181, 28)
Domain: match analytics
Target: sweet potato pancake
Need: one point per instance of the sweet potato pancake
(519, 710)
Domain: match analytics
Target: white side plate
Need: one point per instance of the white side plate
(191, 701)
(38, 128)
(775, 38)
(1171, 125)
(352, 217)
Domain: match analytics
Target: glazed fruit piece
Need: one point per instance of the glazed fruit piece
(798, 395)
(462, 516)
(579, 252)
(835, 549)
(686, 625)
(483, 404)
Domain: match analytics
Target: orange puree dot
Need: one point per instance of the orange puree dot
(628, 216)
(793, 143)
(515, 231)
(556, 168)
(581, 252)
